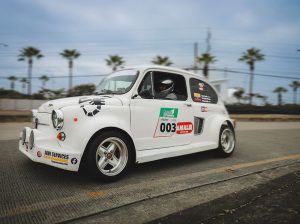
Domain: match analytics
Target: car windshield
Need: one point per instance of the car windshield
(119, 82)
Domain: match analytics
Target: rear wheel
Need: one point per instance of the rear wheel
(226, 141)
(109, 156)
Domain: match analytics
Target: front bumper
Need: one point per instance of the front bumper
(48, 150)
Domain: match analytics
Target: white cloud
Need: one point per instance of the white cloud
(246, 18)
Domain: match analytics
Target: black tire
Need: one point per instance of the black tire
(92, 157)
(220, 151)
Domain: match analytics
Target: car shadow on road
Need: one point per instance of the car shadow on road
(139, 172)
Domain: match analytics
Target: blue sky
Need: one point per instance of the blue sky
(140, 30)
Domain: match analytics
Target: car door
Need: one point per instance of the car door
(205, 107)
(161, 121)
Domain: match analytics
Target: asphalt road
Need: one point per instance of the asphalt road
(36, 193)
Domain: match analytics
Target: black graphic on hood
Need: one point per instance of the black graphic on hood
(91, 111)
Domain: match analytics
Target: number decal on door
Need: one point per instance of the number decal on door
(167, 124)
(168, 127)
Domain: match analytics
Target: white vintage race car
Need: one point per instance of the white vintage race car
(139, 114)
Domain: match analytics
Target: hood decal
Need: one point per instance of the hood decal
(88, 109)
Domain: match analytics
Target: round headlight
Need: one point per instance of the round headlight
(31, 140)
(57, 119)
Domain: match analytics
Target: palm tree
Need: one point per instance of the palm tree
(24, 82)
(239, 94)
(279, 90)
(295, 85)
(251, 56)
(206, 59)
(70, 55)
(114, 61)
(262, 98)
(29, 53)
(44, 79)
(12, 80)
(159, 60)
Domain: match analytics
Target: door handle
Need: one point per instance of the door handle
(188, 104)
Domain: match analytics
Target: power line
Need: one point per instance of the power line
(61, 76)
(247, 73)
(212, 69)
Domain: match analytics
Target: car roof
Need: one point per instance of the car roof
(167, 68)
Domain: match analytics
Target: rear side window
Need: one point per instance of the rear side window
(202, 92)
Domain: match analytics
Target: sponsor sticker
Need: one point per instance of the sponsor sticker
(204, 109)
(39, 154)
(166, 124)
(168, 112)
(205, 99)
(201, 86)
(184, 127)
(197, 99)
(197, 95)
(74, 161)
(55, 157)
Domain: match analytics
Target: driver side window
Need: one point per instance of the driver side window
(163, 86)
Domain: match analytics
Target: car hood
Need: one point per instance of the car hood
(80, 100)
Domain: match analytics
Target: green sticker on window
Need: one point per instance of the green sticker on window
(168, 112)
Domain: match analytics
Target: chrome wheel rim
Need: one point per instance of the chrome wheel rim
(227, 140)
(111, 156)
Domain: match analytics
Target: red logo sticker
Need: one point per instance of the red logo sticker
(184, 127)
(39, 153)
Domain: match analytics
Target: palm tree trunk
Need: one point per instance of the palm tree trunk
(70, 74)
(295, 96)
(29, 75)
(205, 71)
(279, 99)
(251, 86)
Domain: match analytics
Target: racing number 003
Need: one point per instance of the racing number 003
(167, 127)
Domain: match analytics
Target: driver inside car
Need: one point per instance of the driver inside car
(166, 90)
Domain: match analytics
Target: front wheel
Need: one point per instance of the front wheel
(226, 142)
(109, 156)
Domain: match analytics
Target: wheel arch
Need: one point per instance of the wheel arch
(216, 124)
(128, 136)
(229, 123)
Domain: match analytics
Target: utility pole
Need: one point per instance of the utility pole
(208, 38)
(195, 56)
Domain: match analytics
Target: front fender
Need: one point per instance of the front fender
(79, 127)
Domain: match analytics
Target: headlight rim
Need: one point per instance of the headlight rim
(24, 135)
(57, 118)
(31, 140)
